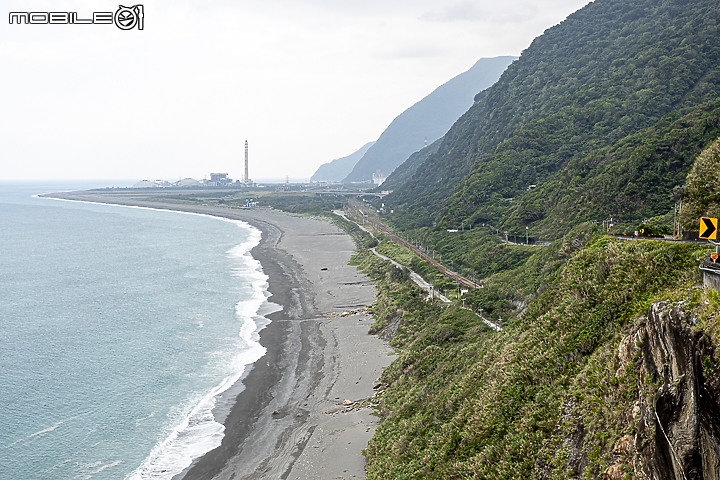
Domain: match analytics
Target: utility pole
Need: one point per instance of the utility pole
(717, 246)
(247, 175)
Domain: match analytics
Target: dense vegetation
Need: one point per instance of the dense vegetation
(604, 113)
(602, 117)
(637, 185)
(702, 188)
(464, 402)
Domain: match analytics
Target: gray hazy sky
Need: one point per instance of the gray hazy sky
(304, 81)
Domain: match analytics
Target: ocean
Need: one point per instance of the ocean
(120, 330)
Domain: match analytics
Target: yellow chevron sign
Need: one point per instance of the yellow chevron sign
(708, 228)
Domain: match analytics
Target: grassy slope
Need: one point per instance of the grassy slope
(463, 402)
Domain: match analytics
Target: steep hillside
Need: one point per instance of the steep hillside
(408, 168)
(593, 82)
(429, 118)
(568, 389)
(702, 187)
(607, 366)
(339, 168)
(630, 180)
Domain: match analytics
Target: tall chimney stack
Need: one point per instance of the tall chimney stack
(247, 177)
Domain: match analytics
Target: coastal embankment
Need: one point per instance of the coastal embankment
(303, 410)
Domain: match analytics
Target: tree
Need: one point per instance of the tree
(702, 188)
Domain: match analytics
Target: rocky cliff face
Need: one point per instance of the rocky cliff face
(679, 426)
(675, 415)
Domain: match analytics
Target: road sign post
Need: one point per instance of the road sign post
(708, 228)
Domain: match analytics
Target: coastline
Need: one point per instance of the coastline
(288, 419)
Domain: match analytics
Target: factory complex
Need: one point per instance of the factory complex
(215, 180)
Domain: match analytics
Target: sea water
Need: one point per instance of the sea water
(119, 329)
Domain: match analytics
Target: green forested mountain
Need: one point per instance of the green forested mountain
(702, 187)
(608, 364)
(604, 114)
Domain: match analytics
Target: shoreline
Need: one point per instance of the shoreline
(288, 419)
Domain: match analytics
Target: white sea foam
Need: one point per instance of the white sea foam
(44, 430)
(138, 421)
(95, 468)
(197, 431)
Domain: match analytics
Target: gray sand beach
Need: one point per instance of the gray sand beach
(293, 418)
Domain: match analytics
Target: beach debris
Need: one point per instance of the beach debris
(352, 406)
(276, 412)
(323, 269)
(349, 313)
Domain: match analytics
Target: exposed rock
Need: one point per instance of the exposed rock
(577, 457)
(614, 472)
(680, 425)
(676, 411)
(625, 447)
(627, 349)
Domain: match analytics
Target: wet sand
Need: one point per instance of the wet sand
(289, 421)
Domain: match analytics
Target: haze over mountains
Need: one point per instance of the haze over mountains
(428, 119)
(339, 168)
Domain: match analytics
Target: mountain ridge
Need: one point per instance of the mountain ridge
(606, 72)
(427, 119)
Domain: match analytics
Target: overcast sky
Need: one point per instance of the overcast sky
(304, 81)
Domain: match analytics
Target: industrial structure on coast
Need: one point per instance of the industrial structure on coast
(215, 180)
